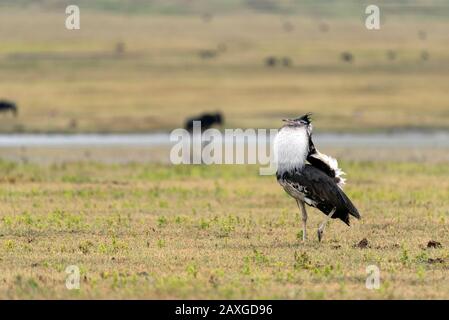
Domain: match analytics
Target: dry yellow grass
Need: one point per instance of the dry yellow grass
(74, 81)
(151, 231)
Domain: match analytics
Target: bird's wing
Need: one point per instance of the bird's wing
(326, 164)
(322, 190)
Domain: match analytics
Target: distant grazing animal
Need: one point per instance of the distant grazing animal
(73, 124)
(7, 106)
(206, 17)
(286, 61)
(309, 176)
(347, 57)
(222, 47)
(287, 26)
(391, 55)
(207, 54)
(422, 35)
(324, 27)
(424, 55)
(120, 48)
(207, 121)
(270, 61)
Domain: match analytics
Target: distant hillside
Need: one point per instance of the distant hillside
(432, 8)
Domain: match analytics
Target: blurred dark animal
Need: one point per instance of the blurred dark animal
(73, 124)
(424, 55)
(7, 106)
(270, 61)
(422, 34)
(222, 47)
(120, 48)
(207, 120)
(207, 54)
(324, 27)
(391, 55)
(286, 61)
(206, 17)
(347, 57)
(288, 26)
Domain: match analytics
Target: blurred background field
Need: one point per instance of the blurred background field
(138, 66)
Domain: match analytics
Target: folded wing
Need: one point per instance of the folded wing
(326, 163)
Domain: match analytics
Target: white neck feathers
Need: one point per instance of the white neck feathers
(291, 147)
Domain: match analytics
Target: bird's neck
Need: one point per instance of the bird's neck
(291, 147)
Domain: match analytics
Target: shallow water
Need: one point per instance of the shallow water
(401, 139)
(155, 147)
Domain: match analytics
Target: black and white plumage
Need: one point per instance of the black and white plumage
(310, 176)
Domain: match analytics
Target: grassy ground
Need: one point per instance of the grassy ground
(153, 231)
(78, 81)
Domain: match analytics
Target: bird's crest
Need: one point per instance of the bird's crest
(306, 118)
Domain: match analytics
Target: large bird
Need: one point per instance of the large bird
(310, 176)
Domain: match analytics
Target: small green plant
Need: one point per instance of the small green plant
(302, 261)
(422, 257)
(203, 224)
(260, 258)
(163, 204)
(7, 221)
(160, 243)
(162, 221)
(421, 273)
(324, 271)
(85, 246)
(9, 245)
(117, 245)
(27, 218)
(405, 259)
(102, 248)
(192, 270)
(180, 219)
(246, 269)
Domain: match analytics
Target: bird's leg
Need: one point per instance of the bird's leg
(322, 225)
(302, 207)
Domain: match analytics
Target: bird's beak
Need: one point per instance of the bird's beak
(289, 120)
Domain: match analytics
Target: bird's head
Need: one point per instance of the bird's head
(302, 121)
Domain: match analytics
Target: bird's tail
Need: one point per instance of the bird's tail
(351, 209)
